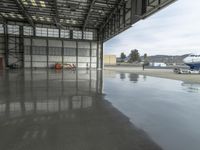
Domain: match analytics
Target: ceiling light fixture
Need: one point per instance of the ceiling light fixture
(48, 19)
(20, 16)
(24, 2)
(41, 18)
(33, 3)
(12, 15)
(42, 3)
(4, 14)
(34, 17)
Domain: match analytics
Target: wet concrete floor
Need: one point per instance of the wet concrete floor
(91, 110)
(167, 110)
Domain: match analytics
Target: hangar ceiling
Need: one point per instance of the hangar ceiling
(108, 17)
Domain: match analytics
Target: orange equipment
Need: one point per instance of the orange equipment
(58, 66)
(69, 66)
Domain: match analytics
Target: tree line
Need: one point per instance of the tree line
(134, 56)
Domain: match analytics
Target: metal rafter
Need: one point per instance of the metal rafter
(1, 17)
(56, 17)
(24, 12)
(111, 14)
(107, 2)
(88, 14)
(157, 7)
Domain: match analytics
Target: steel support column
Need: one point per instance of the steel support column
(90, 55)
(62, 53)
(97, 55)
(6, 43)
(76, 54)
(47, 47)
(31, 52)
(101, 53)
(21, 45)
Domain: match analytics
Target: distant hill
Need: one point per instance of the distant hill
(167, 59)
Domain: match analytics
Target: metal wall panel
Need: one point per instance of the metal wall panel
(44, 52)
(2, 50)
(39, 42)
(69, 59)
(55, 43)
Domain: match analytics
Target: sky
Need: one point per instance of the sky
(174, 30)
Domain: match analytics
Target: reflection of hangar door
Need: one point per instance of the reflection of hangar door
(1, 63)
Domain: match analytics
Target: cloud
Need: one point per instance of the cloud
(174, 30)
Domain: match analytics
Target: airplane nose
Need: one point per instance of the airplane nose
(185, 60)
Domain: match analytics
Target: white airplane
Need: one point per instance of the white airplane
(193, 61)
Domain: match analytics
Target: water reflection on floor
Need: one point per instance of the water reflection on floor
(86, 110)
(167, 110)
(49, 110)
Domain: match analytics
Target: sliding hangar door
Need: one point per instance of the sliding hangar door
(47, 52)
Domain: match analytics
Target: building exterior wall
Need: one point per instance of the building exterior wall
(110, 60)
(158, 64)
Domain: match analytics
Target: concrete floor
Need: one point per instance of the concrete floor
(64, 110)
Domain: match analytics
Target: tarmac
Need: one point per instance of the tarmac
(161, 73)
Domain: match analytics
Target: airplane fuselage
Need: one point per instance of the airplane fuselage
(193, 61)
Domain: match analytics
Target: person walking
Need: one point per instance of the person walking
(143, 66)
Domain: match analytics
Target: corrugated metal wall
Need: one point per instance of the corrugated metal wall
(41, 53)
(20, 47)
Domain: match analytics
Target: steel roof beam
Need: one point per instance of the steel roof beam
(88, 14)
(112, 13)
(1, 18)
(24, 12)
(56, 17)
